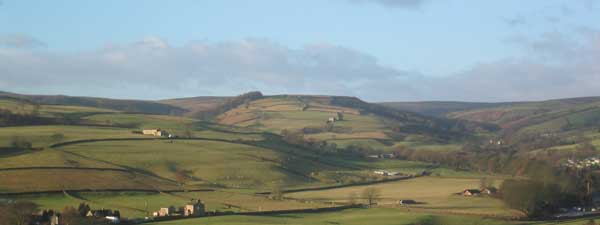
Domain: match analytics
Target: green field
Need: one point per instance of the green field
(380, 216)
(138, 204)
(434, 193)
(210, 162)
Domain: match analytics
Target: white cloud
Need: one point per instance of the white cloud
(407, 4)
(556, 66)
(19, 41)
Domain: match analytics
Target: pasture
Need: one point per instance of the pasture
(437, 194)
(209, 162)
(378, 216)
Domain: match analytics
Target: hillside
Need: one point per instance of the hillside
(139, 106)
(362, 124)
(195, 105)
(439, 108)
(545, 116)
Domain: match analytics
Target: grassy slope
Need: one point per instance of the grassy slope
(525, 114)
(273, 114)
(210, 161)
(565, 117)
(104, 103)
(439, 108)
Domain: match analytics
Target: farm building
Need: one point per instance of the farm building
(489, 191)
(331, 119)
(155, 132)
(169, 211)
(471, 192)
(407, 202)
(193, 208)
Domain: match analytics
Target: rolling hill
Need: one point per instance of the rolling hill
(139, 106)
(439, 108)
(362, 123)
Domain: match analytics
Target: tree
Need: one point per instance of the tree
(83, 209)
(20, 142)
(18, 213)
(70, 216)
(188, 131)
(182, 176)
(340, 116)
(371, 194)
(277, 193)
(486, 182)
(56, 137)
(533, 198)
(352, 198)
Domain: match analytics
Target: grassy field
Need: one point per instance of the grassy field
(210, 162)
(42, 136)
(378, 216)
(48, 110)
(50, 158)
(435, 193)
(62, 179)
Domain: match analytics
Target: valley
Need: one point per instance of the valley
(257, 154)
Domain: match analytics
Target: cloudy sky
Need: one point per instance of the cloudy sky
(378, 50)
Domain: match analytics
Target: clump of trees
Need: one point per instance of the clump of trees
(17, 213)
(19, 142)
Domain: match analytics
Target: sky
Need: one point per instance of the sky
(377, 50)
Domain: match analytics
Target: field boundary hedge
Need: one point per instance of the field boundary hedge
(342, 185)
(105, 190)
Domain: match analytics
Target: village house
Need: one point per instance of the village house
(385, 173)
(194, 208)
(331, 120)
(107, 214)
(169, 211)
(55, 219)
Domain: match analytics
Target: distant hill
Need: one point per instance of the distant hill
(539, 117)
(439, 108)
(137, 106)
(195, 105)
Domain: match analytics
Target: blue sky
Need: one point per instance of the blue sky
(380, 50)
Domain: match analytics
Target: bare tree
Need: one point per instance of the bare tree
(183, 176)
(352, 198)
(188, 131)
(18, 213)
(277, 193)
(371, 194)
